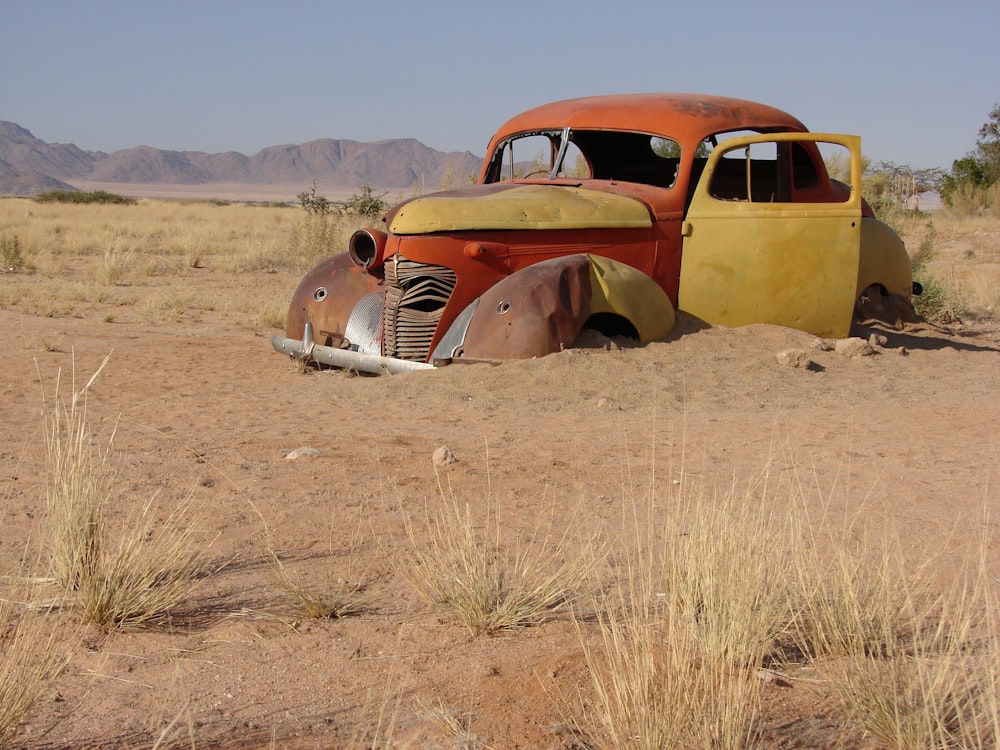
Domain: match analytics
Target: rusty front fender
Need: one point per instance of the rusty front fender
(537, 311)
(326, 296)
(541, 309)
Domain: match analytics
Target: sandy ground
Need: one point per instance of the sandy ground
(906, 441)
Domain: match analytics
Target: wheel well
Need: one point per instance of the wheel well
(611, 325)
(871, 291)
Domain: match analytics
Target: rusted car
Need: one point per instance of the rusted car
(609, 213)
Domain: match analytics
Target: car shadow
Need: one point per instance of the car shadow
(685, 324)
(914, 336)
(926, 336)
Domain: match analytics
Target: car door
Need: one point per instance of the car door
(768, 238)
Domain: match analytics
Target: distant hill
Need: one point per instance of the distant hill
(29, 165)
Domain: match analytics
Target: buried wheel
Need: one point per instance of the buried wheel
(875, 304)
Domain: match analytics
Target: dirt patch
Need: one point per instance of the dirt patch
(904, 439)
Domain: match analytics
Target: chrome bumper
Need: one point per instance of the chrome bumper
(307, 349)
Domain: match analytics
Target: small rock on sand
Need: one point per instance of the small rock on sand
(443, 457)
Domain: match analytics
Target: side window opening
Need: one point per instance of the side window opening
(755, 173)
(776, 172)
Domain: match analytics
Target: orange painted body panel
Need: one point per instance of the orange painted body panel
(687, 118)
(650, 250)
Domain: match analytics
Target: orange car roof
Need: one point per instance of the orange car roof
(683, 117)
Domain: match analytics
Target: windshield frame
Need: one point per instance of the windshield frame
(639, 152)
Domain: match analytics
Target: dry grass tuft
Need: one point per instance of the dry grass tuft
(116, 264)
(699, 608)
(32, 648)
(453, 725)
(30, 655)
(78, 485)
(332, 599)
(934, 683)
(489, 580)
(134, 573)
(852, 599)
(153, 568)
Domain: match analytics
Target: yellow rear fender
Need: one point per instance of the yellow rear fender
(620, 289)
(883, 260)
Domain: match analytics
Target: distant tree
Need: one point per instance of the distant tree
(894, 187)
(366, 203)
(453, 179)
(978, 170)
(312, 203)
(988, 145)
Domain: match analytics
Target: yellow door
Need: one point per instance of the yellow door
(766, 238)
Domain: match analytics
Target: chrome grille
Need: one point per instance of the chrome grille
(364, 328)
(415, 297)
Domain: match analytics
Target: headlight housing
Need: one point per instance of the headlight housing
(367, 248)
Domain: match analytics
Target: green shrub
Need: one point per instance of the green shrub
(10, 249)
(79, 196)
(313, 204)
(366, 204)
(939, 302)
(973, 175)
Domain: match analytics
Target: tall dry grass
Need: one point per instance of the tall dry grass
(698, 610)
(958, 253)
(858, 598)
(33, 649)
(489, 577)
(969, 201)
(913, 664)
(79, 481)
(130, 567)
(715, 593)
(128, 261)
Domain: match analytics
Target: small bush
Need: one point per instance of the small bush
(939, 302)
(366, 204)
(79, 196)
(29, 654)
(150, 571)
(78, 486)
(136, 573)
(312, 203)
(10, 250)
(316, 238)
(491, 584)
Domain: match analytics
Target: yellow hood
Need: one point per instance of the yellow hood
(512, 206)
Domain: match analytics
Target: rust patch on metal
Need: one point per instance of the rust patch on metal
(538, 311)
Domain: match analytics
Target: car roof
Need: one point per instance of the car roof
(683, 117)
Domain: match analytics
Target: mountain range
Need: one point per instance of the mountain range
(29, 165)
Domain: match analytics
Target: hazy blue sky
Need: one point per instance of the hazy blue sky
(915, 80)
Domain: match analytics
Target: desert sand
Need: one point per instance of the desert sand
(903, 442)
